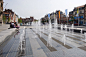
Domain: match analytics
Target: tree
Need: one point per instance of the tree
(4, 19)
(8, 20)
(19, 21)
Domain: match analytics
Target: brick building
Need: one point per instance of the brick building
(9, 14)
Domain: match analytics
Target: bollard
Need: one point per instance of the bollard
(81, 31)
(85, 36)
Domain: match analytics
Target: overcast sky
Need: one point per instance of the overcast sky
(39, 8)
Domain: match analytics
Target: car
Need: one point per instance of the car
(76, 24)
(20, 24)
(84, 24)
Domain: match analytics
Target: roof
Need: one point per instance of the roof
(6, 13)
(80, 6)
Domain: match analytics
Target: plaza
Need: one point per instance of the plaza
(36, 43)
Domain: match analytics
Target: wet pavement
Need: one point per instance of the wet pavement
(36, 46)
(10, 45)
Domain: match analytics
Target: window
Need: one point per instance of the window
(61, 15)
(5, 14)
(56, 12)
(70, 13)
(75, 13)
(7, 17)
(1, 4)
(80, 11)
(64, 16)
(80, 8)
(75, 9)
(81, 16)
(70, 16)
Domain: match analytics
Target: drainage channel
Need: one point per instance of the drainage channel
(68, 47)
(22, 52)
(71, 37)
(83, 48)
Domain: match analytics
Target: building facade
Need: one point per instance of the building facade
(16, 18)
(10, 16)
(27, 20)
(79, 17)
(1, 11)
(62, 19)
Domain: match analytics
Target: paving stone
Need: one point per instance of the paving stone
(35, 46)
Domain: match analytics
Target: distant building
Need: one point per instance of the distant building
(23, 20)
(9, 14)
(16, 20)
(1, 11)
(31, 19)
(81, 16)
(27, 20)
(62, 19)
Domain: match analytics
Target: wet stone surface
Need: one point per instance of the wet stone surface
(12, 47)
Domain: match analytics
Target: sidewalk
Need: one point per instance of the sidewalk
(4, 27)
(4, 32)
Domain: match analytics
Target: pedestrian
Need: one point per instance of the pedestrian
(10, 24)
(16, 25)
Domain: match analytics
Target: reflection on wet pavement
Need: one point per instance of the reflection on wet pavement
(7, 45)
